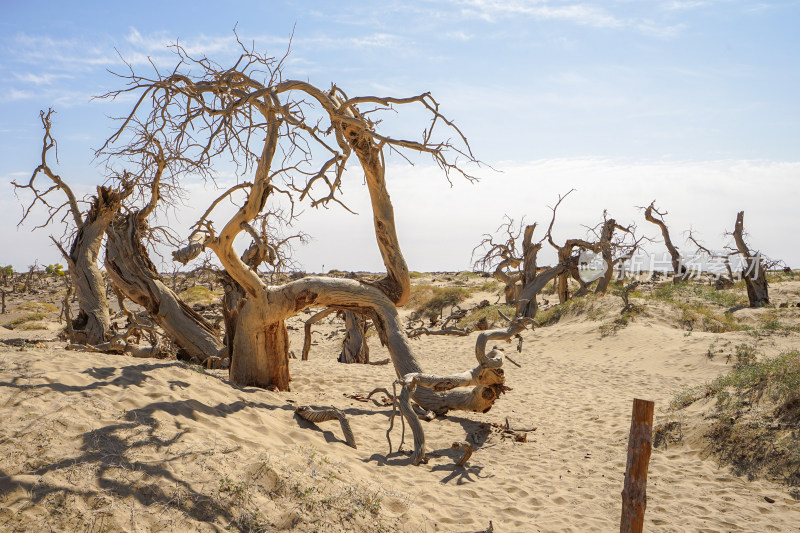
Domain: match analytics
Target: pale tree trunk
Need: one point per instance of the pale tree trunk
(354, 347)
(130, 268)
(755, 278)
(529, 307)
(232, 302)
(316, 317)
(606, 234)
(510, 283)
(533, 288)
(93, 323)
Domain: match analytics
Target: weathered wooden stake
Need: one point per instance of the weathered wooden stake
(640, 444)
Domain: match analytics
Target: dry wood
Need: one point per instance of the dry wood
(131, 270)
(93, 322)
(640, 445)
(467, 447)
(316, 317)
(680, 272)
(354, 346)
(322, 414)
(755, 276)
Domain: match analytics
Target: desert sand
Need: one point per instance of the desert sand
(98, 442)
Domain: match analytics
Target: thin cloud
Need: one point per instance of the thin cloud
(13, 95)
(46, 78)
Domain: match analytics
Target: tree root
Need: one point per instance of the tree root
(317, 415)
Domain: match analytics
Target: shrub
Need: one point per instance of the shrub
(22, 322)
(56, 269)
(428, 301)
(491, 313)
(198, 295)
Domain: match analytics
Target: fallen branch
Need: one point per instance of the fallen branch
(467, 447)
(328, 413)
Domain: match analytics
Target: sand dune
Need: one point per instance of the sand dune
(108, 443)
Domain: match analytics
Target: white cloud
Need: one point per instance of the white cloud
(459, 35)
(12, 95)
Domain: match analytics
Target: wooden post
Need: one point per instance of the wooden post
(640, 444)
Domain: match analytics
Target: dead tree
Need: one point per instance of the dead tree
(316, 317)
(755, 276)
(680, 272)
(354, 347)
(220, 108)
(515, 269)
(502, 257)
(128, 263)
(615, 247)
(92, 325)
(567, 260)
(721, 281)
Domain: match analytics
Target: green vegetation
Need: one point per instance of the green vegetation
(695, 303)
(782, 275)
(415, 275)
(428, 301)
(6, 272)
(685, 291)
(625, 318)
(575, 306)
(55, 270)
(493, 286)
(25, 321)
(199, 295)
(771, 322)
(757, 419)
(37, 307)
(491, 313)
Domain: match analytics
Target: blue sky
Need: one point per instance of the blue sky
(690, 102)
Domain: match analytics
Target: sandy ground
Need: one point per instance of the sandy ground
(94, 442)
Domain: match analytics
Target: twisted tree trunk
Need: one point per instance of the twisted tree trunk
(529, 306)
(130, 268)
(93, 323)
(678, 268)
(755, 278)
(354, 347)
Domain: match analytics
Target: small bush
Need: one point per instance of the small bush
(38, 307)
(491, 313)
(198, 295)
(685, 291)
(24, 321)
(495, 287)
(428, 301)
(557, 312)
(56, 269)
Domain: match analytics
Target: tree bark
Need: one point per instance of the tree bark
(354, 347)
(529, 252)
(130, 268)
(93, 323)
(606, 234)
(307, 330)
(260, 357)
(677, 264)
(755, 278)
